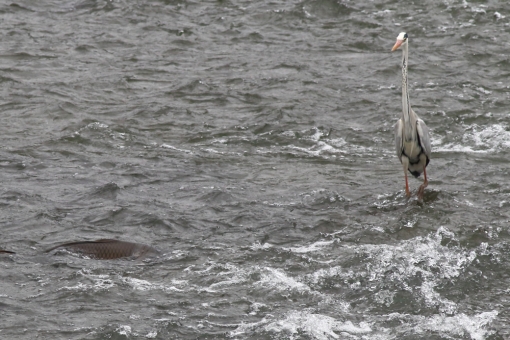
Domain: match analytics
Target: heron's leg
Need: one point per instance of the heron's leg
(405, 164)
(421, 190)
(408, 193)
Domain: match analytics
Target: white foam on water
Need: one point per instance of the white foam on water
(482, 90)
(278, 280)
(478, 139)
(80, 287)
(237, 278)
(459, 325)
(220, 141)
(290, 134)
(296, 324)
(388, 267)
(493, 137)
(144, 285)
(324, 148)
(338, 142)
(229, 274)
(315, 151)
(255, 307)
(105, 282)
(99, 283)
(138, 284)
(247, 327)
(124, 330)
(214, 151)
(317, 326)
(316, 136)
(97, 126)
(392, 264)
(258, 246)
(432, 297)
(422, 257)
(310, 248)
(167, 146)
(498, 16)
(338, 148)
(382, 13)
(152, 335)
(479, 9)
(272, 278)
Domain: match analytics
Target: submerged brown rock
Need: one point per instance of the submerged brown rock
(106, 249)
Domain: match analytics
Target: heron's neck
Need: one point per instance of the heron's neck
(407, 115)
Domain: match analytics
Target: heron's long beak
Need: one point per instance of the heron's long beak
(397, 45)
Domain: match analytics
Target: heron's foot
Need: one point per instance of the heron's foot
(421, 191)
(408, 194)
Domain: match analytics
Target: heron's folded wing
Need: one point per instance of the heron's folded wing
(398, 138)
(423, 134)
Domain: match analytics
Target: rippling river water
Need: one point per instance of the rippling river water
(252, 143)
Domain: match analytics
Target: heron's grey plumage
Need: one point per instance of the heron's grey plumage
(412, 139)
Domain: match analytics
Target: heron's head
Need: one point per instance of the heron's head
(401, 41)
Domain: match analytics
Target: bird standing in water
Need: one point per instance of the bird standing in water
(412, 139)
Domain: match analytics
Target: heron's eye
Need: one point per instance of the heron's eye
(405, 36)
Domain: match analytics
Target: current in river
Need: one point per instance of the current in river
(252, 144)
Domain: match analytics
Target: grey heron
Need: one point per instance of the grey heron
(412, 140)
